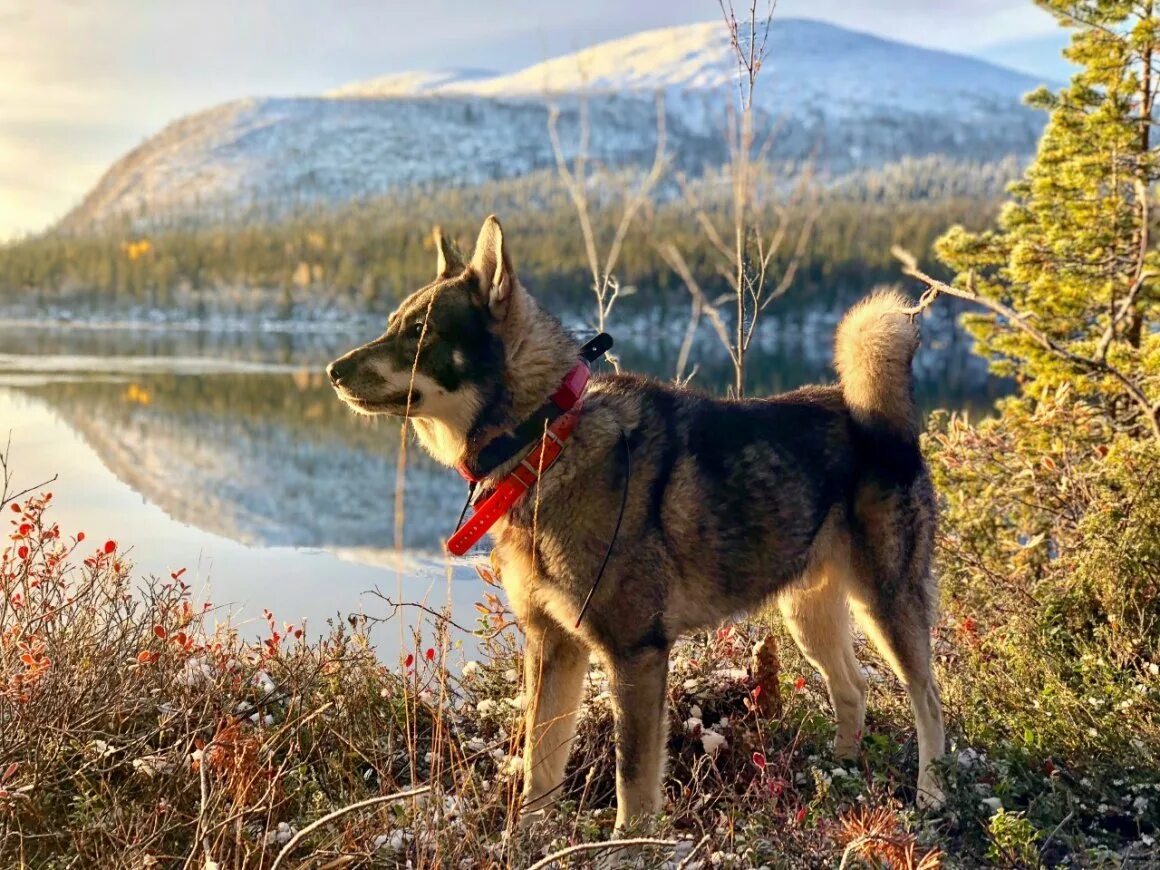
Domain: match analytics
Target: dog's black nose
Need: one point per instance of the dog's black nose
(339, 369)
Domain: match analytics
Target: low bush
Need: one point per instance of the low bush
(138, 731)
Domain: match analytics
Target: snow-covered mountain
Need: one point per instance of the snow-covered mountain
(846, 99)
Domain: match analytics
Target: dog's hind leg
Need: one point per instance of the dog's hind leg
(637, 684)
(818, 616)
(554, 666)
(898, 623)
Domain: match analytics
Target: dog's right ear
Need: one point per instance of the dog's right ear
(493, 266)
(448, 263)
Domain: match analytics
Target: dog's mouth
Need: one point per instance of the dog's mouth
(395, 404)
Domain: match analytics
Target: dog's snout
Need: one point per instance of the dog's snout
(341, 368)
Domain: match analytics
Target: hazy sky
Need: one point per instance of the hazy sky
(83, 81)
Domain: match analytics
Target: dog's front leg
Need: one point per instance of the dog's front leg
(638, 697)
(554, 666)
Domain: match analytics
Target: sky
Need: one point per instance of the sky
(84, 81)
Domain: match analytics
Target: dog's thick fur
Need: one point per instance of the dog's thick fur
(818, 498)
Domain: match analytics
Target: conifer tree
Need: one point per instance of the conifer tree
(1072, 273)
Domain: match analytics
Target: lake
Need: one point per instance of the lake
(224, 451)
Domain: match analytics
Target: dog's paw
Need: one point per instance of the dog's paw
(930, 795)
(847, 748)
(529, 818)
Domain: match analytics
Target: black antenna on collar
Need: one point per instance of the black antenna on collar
(616, 530)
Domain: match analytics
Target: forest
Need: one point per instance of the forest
(363, 257)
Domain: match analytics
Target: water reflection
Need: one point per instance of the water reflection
(240, 435)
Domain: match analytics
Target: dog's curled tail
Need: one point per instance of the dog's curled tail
(873, 349)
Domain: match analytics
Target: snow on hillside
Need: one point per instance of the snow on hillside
(262, 155)
(807, 63)
(846, 99)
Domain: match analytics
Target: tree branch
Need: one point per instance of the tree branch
(330, 817)
(935, 288)
(1142, 276)
(676, 261)
(598, 847)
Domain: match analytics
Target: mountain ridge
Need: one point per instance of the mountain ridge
(842, 98)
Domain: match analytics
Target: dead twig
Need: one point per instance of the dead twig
(935, 288)
(575, 178)
(687, 861)
(6, 477)
(597, 847)
(396, 606)
(339, 813)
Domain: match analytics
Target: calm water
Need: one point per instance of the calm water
(226, 453)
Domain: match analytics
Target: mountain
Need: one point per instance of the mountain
(842, 98)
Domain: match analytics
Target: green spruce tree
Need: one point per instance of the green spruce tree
(1074, 256)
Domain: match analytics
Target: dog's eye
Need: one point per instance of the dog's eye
(415, 330)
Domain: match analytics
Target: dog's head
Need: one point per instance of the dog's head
(442, 357)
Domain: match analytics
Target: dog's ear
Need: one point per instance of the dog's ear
(448, 264)
(493, 266)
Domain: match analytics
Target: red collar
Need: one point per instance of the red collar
(506, 447)
(523, 477)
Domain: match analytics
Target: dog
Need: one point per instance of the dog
(818, 498)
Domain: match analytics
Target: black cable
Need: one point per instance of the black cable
(466, 504)
(615, 531)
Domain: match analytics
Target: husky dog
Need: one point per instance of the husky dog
(817, 498)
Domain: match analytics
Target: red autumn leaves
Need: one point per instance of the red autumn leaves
(410, 660)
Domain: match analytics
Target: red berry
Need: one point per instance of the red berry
(110, 546)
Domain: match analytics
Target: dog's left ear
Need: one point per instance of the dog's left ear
(493, 266)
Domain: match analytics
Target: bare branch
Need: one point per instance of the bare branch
(606, 845)
(439, 616)
(676, 261)
(687, 341)
(575, 184)
(706, 223)
(1151, 410)
(6, 478)
(1141, 277)
(605, 285)
(641, 195)
(339, 813)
